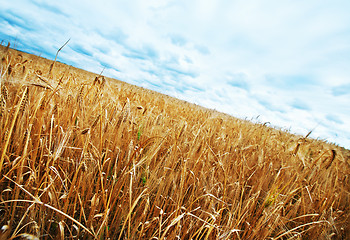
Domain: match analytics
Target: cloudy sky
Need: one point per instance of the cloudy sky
(284, 62)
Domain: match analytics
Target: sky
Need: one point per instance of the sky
(282, 62)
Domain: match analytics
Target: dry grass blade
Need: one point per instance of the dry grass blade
(53, 63)
(37, 201)
(61, 226)
(24, 95)
(42, 86)
(130, 212)
(173, 222)
(298, 227)
(56, 210)
(27, 236)
(44, 80)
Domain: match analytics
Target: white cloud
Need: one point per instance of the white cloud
(286, 61)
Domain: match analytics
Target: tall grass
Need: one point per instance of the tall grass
(86, 157)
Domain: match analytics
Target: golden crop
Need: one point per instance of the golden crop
(88, 157)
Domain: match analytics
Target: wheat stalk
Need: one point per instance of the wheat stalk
(126, 162)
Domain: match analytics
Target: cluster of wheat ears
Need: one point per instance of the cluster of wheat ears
(86, 157)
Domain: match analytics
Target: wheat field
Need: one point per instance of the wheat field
(88, 157)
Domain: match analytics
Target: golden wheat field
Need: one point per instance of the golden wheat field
(88, 157)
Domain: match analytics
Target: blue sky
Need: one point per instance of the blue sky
(283, 62)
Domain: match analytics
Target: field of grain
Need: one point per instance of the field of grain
(88, 157)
